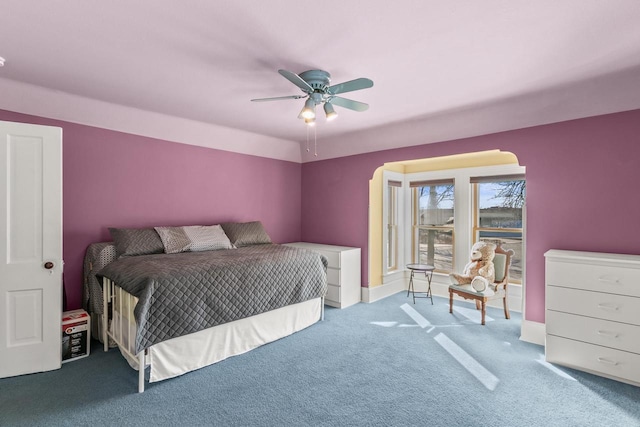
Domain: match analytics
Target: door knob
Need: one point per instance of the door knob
(48, 265)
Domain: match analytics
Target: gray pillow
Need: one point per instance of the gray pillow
(136, 241)
(246, 233)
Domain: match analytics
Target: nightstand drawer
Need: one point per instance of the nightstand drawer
(333, 293)
(603, 360)
(332, 257)
(594, 304)
(616, 335)
(333, 276)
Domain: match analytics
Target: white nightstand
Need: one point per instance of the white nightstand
(343, 272)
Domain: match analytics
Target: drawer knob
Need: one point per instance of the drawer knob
(606, 306)
(607, 361)
(608, 334)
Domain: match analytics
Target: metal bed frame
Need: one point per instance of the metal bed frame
(121, 300)
(123, 328)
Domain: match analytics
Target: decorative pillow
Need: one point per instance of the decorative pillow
(207, 238)
(246, 233)
(174, 239)
(136, 241)
(193, 238)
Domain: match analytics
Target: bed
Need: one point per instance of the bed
(186, 309)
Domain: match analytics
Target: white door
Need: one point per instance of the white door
(30, 248)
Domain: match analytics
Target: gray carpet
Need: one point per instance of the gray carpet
(390, 363)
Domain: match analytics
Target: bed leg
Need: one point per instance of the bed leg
(106, 287)
(141, 372)
(322, 309)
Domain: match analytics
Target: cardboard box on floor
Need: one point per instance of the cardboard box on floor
(76, 330)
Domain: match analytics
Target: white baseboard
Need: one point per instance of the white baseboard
(533, 332)
(376, 293)
(439, 287)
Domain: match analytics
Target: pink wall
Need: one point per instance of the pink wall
(581, 190)
(123, 180)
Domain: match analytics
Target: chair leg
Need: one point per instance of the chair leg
(478, 305)
(506, 308)
(484, 309)
(450, 301)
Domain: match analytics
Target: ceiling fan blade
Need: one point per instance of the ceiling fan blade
(277, 98)
(350, 86)
(296, 80)
(348, 103)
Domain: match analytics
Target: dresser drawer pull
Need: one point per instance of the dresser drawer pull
(606, 306)
(608, 279)
(607, 361)
(609, 334)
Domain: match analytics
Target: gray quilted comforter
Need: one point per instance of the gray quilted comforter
(187, 292)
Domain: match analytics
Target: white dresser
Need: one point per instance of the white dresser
(343, 272)
(593, 313)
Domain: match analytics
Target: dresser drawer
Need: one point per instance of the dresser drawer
(602, 360)
(600, 278)
(616, 335)
(594, 304)
(333, 276)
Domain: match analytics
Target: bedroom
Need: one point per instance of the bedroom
(575, 131)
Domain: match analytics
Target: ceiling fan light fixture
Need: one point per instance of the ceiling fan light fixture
(310, 122)
(329, 111)
(308, 111)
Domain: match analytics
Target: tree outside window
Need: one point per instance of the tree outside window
(433, 213)
(499, 217)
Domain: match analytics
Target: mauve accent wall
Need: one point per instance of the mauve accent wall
(582, 184)
(117, 179)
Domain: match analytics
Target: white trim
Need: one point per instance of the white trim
(376, 293)
(38, 101)
(463, 202)
(400, 202)
(533, 332)
(399, 282)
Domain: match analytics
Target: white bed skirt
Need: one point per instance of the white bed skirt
(180, 355)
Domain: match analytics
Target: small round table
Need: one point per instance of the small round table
(428, 273)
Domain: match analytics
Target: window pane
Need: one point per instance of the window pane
(501, 204)
(508, 240)
(435, 205)
(436, 248)
(391, 248)
(392, 234)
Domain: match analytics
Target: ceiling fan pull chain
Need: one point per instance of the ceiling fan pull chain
(315, 142)
(307, 138)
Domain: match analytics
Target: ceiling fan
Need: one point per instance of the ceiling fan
(315, 85)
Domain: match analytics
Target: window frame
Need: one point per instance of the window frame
(415, 222)
(476, 230)
(463, 211)
(387, 216)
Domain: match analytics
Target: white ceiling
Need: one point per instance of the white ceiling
(205, 60)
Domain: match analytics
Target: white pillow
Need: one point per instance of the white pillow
(207, 238)
(173, 239)
(193, 238)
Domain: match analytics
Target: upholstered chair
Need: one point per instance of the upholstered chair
(496, 290)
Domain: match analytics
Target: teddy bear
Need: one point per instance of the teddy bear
(480, 271)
